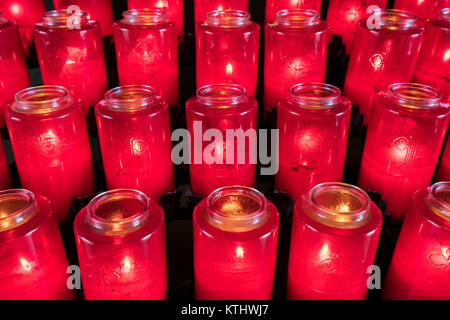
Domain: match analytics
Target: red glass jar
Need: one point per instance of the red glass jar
(121, 247)
(381, 57)
(14, 73)
(174, 9)
(426, 9)
(147, 51)
(97, 10)
(275, 6)
(313, 126)
(70, 56)
(433, 64)
(227, 50)
(33, 262)
(419, 269)
(217, 163)
(295, 52)
(343, 16)
(134, 133)
(51, 145)
(5, 177)
(202, 7)
(235, 244)
(25, 13)
(403, 142)
(335, 234)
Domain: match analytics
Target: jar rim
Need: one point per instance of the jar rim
(394, 19)
(225, 93)
(445, 14)
(22, 212)
(62, 17)
(443, 206)
(44, 99)
(415, 95)
(315, 95)
(298, 17)
(145, 16)
(130, 98)
(228, 18)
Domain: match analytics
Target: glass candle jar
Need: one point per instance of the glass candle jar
(202, 7)
(420, 266)
(235, 244)
(51, 145)
(14, 73)
(227, 50)
(425, 9)
(433, 64)
(335, 235)
(134, 133)
(147, 51)
(33, 262)
(5, 177)
(174, 9)
(121, 247)
(403, 142)
(295, 52)
(70, 54)
(313, 126)
(231, 158)
(343, 16)
(382, 56)
(97, 10)
(275, 6)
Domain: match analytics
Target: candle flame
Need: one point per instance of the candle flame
(127, 265)
(15, 8)
(324, 253)
(220, 8)
(377, 61)
(229, 69)
(239, 252)
(25, 265)
(447, 56)
(161, 4)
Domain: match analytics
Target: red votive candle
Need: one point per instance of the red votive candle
(71, 55)
(313, 126)
(235, 244)
(227, 50)
(5, 177)
(202, 7)
(51, 145)
(421, 260)
(134, 133)
(335, 235)
(433, 64)
(225, 160)
(425, 9)
(174, 9)
(32, 257)
(274, 6)
(399, 159)
(343, 16)
(121, 247)
(295, 52)
(97, 10)
(382, 56)
(147, 51)
(14, 73)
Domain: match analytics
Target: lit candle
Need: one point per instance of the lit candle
(51, 145)
(425, 9)
(147, 51)
(399, 159)
(121, 247)
(235, 242)
(202, 7)
(33, 262)
(313, 124)
(134, 133)
(420, 266)
(334, 240)
(274, 6)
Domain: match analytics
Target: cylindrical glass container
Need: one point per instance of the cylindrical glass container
(5, 177)
(335, 235)
(433, 64)
(343, 16)
(121, 247)
(174, 9)
(202, 7)
(382, 56)
(218, 158)
(295, 52)
(51, 145)
(134, 133)
(70, 53)
(275, 6)
(227, 50)
(235, 244)
(419, 269)
(14, 73)
(425, 9)
(33, 262)
(313, 126)
(147, 51)
(403, 142)
(97, 10)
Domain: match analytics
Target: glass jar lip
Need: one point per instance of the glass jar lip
(443, 207)
(298, 94)
(298, 17)
(130, 98)
(348, 219)
(31, 101)
(225, 93)
(145, 16)
(445, 14)
(394, 19)
(22, 215)
(228, 17)
(415, 95)
(124, 225)
(60, 18)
